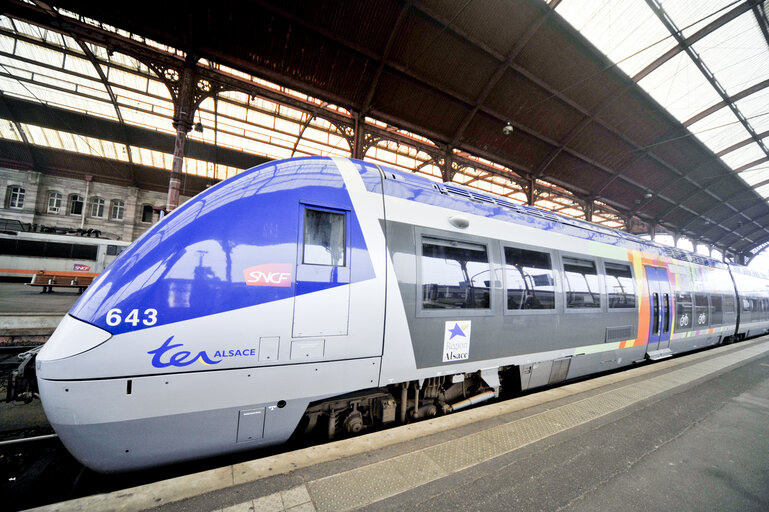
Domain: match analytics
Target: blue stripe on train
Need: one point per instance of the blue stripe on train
(191, 264)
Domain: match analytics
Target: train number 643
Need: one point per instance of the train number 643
(149, 317)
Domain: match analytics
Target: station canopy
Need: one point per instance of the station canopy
(640, 114)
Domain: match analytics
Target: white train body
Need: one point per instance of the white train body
(333, 292)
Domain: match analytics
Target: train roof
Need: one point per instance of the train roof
(488, 204)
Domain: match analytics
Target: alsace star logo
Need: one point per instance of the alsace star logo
(456, 331)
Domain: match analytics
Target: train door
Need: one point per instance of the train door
(322, 295)
(660, 312)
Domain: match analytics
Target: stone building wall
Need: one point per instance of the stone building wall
(38, 187)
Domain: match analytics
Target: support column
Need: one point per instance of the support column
(446, 171)
(653, 231)
(589, 207)
(357, 145)
(530, 192)
(183, 117)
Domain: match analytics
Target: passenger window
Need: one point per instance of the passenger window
(716, 310)
(729, 304)
(324, 238)
(620, 286)
(683, 312)
(582, 288)
(530, 282)
(455, 275)
(701, 310)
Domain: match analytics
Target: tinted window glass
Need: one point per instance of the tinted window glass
(582, 289)
(701, 311)
(86, 252)
(728, 304)
(620, 285)
(324, 238)
(529, 279)
(455, 275)
(683, 312)
(716, 310)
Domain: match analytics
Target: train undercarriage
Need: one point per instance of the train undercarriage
(402, 403)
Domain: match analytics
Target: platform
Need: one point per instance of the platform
(24, 311)
(689, 433)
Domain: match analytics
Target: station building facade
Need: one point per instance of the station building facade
(41, 199)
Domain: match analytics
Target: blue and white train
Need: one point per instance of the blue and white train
(335, 295)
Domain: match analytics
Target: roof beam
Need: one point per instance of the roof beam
(656, 7)
(385, 57)
(759, 11)
(494, 80)
(721, 104)
(562, 147)
(741, 144)
(683, 44)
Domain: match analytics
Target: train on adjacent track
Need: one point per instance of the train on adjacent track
(24, 252)
(334, 295)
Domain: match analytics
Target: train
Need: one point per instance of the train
(328, 296)
(24, 252)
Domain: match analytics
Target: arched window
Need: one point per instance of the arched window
(54, 202)
(16, 197)
(76, 204)
(118, 209)
(97, 207)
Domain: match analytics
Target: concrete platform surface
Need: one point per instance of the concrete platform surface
(24, 311)
(691, 433)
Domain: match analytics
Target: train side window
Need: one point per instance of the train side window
(683, 312)
(582, 285)
(729, 304)
(716, 310)
(324, 238)
(620, 286)
(530, 282)
(701, 310)
(455, 275)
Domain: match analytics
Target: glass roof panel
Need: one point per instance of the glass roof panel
(627, 32)
(81, 66)
(742, 156)
(719, 130)
(8, 130)
(756, 109)
(736, 54)
(680, 87)
(756, 174)
(38, 53)
(692, 15)
(763, 191)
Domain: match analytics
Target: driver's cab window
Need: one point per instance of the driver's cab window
(324, 238)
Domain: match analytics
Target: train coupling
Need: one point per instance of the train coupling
(22, 381)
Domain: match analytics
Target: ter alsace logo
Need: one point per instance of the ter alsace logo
(270, 274)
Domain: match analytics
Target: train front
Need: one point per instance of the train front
(179, 349)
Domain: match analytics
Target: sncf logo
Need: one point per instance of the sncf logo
(271, 274)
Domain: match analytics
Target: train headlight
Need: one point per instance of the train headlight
(70, 338)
